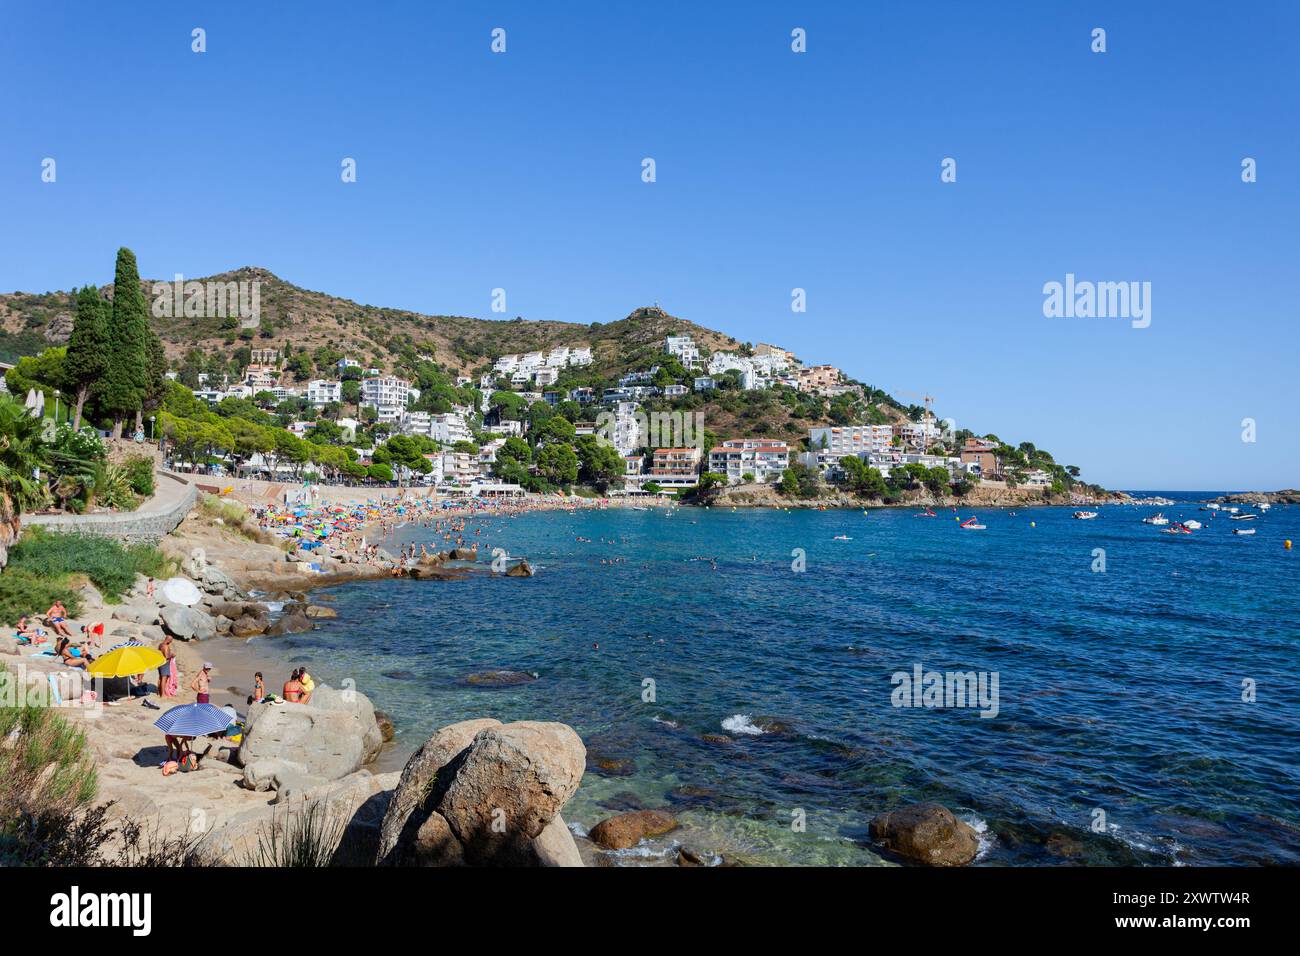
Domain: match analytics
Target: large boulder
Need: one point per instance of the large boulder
(294, 623)
(136, 613)
(629, 829)
(482, 792)
(90, 596)
(509, 785)
(248, 625)
(187, 624)
(329, 738)
(926, 833)
(414, 792)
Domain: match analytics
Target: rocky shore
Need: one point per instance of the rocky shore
(1287, 496)
(478, 792)
(980, 496)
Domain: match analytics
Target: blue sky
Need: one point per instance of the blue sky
(775, 170)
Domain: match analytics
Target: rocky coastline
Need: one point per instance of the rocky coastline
(1287, 496)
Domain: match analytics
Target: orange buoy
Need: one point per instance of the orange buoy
(1287, 544)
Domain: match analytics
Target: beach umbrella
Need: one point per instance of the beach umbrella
(126, 661)
(181, 591)
(193, 720)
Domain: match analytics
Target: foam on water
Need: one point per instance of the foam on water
(741, 724)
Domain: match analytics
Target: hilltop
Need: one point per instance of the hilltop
(307, 320)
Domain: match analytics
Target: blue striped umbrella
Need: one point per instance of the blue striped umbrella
(128, 644)
(193, 720)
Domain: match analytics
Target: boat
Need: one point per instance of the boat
(1212, 507)
(1244, 517)
(1085, 515)
(1263, 506)
(927, 513)
(1243, 530)
(1232, 511)
(971, 524)
(1155, 519)
(842, 537)
(1193, 525)
(1176, 528)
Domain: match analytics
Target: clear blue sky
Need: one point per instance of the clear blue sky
(775, 170)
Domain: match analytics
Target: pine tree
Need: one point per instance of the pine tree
(87, 348)
(126, 374)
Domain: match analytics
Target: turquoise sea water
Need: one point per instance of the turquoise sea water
(1119, 692)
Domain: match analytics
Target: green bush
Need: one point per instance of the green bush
(139, 470)
(24, 593)
(110, 566)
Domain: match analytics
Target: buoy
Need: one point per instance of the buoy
(1287, 544)
(1033, 524)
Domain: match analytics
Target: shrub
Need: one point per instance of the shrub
(110, 566)
(139, 471)
(24, 593)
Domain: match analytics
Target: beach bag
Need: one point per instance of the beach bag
(189, 762)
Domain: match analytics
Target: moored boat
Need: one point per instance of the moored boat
(1243, 530)
(1155, 519)
(1085, 515)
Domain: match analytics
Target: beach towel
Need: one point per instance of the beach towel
(169, 686)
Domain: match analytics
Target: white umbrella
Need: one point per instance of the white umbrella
(181, 591)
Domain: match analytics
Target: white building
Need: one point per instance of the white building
(764, 459)
(625, 431)
(684, 348)
(321, 392)
(449, 428)
(387, 392)
(840, 440)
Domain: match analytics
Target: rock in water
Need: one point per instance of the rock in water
(518, 774)
(926, 833)
(498, 678)
(412, 800)
(295, 623)
(497, 788)
(629, 829)
(521, 570)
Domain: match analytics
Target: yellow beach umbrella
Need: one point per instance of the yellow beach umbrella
(126, 662)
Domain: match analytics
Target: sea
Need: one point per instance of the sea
(1079, 691)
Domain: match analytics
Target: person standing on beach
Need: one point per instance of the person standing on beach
(168, 665)
(202, 683)
(259, 688)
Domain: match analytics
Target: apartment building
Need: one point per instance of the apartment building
(675, 467)
(322, 392)
(980, 457)
(816, 377)
(763, 458)
(386, 392)
(839, 440)
(683, 347)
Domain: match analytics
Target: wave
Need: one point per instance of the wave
(741, 724)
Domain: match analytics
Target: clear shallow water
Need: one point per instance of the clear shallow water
(1118, 690)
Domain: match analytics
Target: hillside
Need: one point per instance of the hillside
(382, 337)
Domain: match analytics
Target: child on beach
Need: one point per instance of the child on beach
(259, 689)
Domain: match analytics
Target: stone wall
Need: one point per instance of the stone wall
(128, 526)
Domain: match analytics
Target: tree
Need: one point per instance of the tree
(600, 463)
(22, 452)
(558, 463)
(83, 365)
(126, 372)
(380, 472)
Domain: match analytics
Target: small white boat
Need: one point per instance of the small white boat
(1264, 506)
(1243, 530)
(1192, 525)
(1232, 511)
(1212, 507)
(970, 524)
(1244, 517)
(842, 537)
(1156, 519)
(1085, 515)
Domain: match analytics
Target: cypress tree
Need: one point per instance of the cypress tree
(126, 374)
(87, 348)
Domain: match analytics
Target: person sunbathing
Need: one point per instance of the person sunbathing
(72, 656)
(57, 618)
(293, 689)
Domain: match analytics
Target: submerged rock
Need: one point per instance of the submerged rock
(629, 829)
(521, 570)
(499, 678)
(926, 833)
